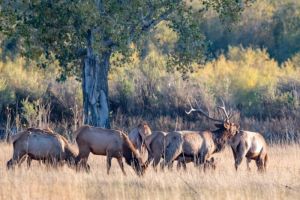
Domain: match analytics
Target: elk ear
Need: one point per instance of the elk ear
(227, 125)
(219, 125)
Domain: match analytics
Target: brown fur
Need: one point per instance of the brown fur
(250, 145)
(137, 137)
(39, 144)
(155, 144)
(144, 130)
(100, 141)
(197, 145)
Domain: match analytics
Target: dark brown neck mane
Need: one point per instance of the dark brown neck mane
(220, 138)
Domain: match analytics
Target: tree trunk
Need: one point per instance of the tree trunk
(95, 86)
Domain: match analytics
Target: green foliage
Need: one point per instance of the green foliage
(6, 95)
(58, 29)
(252, 82)
(29, 111)
(21, 80)
(274, 25)
(21, 85)
(247, 79)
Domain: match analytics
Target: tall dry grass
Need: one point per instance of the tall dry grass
(281, 181)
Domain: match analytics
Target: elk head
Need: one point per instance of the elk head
(144, 130)
(226, 129)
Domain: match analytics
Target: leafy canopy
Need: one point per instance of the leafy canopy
(51, 30)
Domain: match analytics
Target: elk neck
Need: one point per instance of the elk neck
(219, 139)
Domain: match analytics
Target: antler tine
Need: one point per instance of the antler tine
(223, 109)
(191, 110)
(232, 113)
(202, 112)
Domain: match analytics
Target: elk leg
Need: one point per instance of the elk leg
(50, 162)
(212, 163)
(155, 162)
(203, 155)
(206, 165)
(17, 156)
(108, 162)
(55, 162)
(184, 165)
(162, 165)
(209, 164)
(22, 160)
(81, 159)
(241, 153)
(234, 153)
(179, 165)
(82, 163)
(259, 164)
(248, 164)
(150, 158)
(263, 159)
(121, 164)
(10, 164)
(28, 162)
(170, 165)
(196, 160)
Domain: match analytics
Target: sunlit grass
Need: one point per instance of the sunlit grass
(282, 180)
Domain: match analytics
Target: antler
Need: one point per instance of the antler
(201, 111)
(224, 109)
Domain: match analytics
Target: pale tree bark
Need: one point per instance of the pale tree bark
(95, 86)
(95, 71)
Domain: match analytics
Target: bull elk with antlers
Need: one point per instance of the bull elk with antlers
(199, 146)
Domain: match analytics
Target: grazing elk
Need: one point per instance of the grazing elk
(42, 145)
(112, 143)
(198, 146)
(251, 145)
(137, 136)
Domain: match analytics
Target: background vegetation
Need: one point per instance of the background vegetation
(254, 66)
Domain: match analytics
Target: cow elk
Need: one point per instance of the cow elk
(41, 145)
(112, 143)
(251, 145)
(137, 136)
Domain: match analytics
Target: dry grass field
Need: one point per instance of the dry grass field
(282, 180)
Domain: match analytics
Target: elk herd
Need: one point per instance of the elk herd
(141, 146)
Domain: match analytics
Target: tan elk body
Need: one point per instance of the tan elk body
(108, 142)
(38, 144)
(251, 145)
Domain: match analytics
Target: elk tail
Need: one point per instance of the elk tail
(131, 147)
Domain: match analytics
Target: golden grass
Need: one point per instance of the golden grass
(282, 180)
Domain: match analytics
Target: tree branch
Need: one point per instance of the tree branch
(150, 24)
(147, 25)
